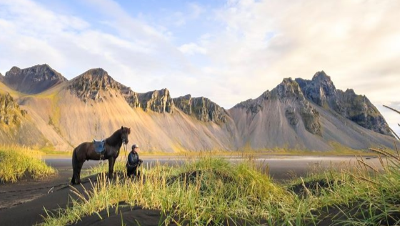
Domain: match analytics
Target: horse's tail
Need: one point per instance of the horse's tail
(74, 165)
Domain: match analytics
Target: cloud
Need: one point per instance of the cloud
(192, 48)
(355, 42)
(246, 46)
(129, 49)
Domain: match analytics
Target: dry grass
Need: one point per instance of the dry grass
(18, 162)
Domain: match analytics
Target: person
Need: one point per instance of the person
(133, 162)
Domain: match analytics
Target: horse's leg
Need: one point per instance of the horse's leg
(73, 178)
(74, 166)
(78, 172)
(111, 162)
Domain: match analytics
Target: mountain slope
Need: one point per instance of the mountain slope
(285, 118)
(93, 105)
(16, 125)
(298, 114)
(32, 80)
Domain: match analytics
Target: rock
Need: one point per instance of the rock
(10, 112)
(290, 90)
(296, 105)
(89, 84)
(33, 80)
(95, 83)
(357, 108)
(158, 101)
(360, 110)
(287, 89)
(184, 103)
(202, 108)
(131, 97)
(291, 116)
(254, 106)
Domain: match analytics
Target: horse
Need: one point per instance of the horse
(86, 151)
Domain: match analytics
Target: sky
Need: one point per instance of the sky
(226, 50)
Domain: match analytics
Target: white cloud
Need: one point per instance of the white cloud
(256, 45)
(356, 42)
(192, 48)
(133, 52)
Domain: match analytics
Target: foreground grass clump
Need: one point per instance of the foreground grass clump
(207, 191)
(369, 197)
(358, 196)
(18, 162)
(213, 191)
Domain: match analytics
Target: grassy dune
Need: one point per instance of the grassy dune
(212, 191)
(17, 162)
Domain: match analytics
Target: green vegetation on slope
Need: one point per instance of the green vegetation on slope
(18, 162)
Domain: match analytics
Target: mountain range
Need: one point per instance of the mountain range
(41, 108)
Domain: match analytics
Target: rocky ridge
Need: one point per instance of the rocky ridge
(299, 114)
(159, 101)
(202, 108)
(321, 91)
(94, 84)
(33, 80)
(90, 84)
(297, 107)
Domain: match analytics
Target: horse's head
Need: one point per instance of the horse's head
(124, 134)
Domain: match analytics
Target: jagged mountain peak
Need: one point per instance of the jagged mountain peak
(321, 76)
(37, 68)
(98, 75)
(89, 84)
(322, 80)
(34, 79)
(288, 88)
(14, 69)
(357, 108)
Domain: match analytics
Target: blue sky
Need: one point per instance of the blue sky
(226, 50)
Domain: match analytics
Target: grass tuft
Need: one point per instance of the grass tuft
(18, 162)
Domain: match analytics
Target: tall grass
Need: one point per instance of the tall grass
(213, 191)
(17, 162)
(203, 192)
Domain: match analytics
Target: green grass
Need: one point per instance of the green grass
(213, 191)
(18, 162)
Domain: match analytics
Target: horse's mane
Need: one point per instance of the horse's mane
(114, 137)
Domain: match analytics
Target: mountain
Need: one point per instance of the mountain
(357, 108)
(292, 115)
(94, 105)
(285, 117)
(32, 80)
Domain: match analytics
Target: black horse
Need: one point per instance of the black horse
(86, 151)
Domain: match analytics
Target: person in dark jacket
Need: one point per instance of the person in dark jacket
(133, 162)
